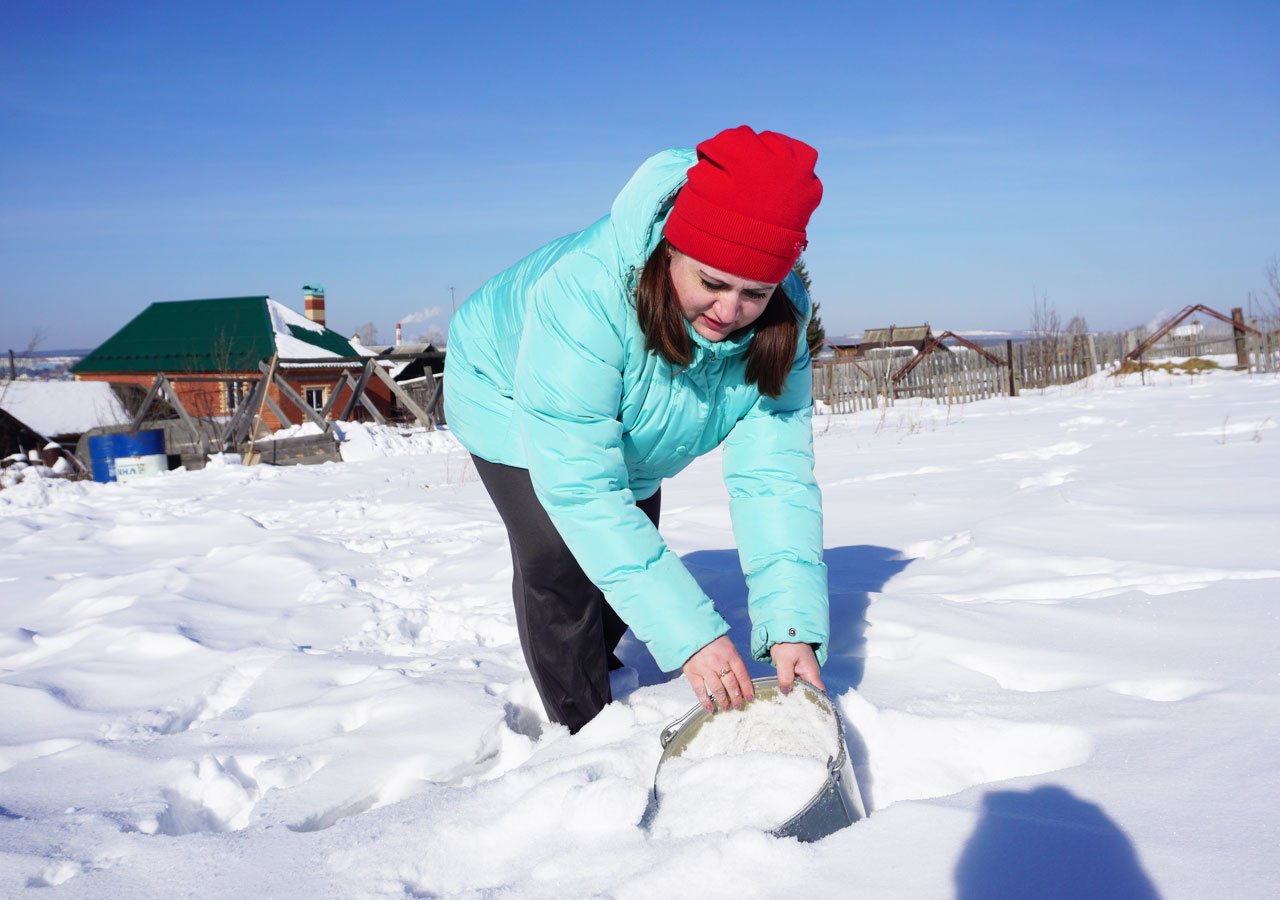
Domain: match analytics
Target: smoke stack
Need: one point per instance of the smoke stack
(397, 334)
(313, 302)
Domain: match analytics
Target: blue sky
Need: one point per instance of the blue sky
(1118, 160)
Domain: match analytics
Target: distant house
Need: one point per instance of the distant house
(838, 347)
(409, 361)
(895, 337)
(914, 337)
(211, 349)
(415, 366)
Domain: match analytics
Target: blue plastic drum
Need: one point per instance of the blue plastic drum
(127, 454)
(102, 457)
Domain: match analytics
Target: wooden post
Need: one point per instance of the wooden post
(403, 396)
(167, 391)
(145, 406)
(289, 393)
(1242, 351)
(251, 456)
(436, 401)
(275, 409)
(243, 417)
(333, 394)
(1013, 382)
(357, 392)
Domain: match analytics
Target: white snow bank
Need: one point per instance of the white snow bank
(26, 486)
(363, 440)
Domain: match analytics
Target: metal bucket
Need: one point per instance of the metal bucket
(837, 804)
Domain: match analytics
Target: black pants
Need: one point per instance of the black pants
(568, 631)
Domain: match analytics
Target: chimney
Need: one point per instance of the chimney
(313, 302)
(397, 334)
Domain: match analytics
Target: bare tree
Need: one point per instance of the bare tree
(1046, 343)
(37, 338)
(1076, 339)
(367, 334)
(433, 335)
(1269, 307)
(211, 387)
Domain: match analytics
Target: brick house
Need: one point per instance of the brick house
(210, 350)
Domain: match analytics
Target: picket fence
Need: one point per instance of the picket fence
(959, 375)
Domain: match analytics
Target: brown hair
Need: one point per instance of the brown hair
(772, 349)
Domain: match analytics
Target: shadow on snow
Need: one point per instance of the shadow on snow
(853, 573)
(1049, 844)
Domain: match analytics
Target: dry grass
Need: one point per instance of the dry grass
(1192, 366)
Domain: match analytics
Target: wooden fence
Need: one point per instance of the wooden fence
(948, 376)
(1256, 352)
(959, 375)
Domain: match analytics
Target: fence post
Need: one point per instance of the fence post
(1013, 381)
(1242, 351)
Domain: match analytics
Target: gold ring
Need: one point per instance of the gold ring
(724, 672)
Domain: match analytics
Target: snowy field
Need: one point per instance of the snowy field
(1056, 644)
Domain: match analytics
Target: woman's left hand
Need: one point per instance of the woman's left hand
(796, 661)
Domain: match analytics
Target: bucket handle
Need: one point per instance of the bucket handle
(671, 730)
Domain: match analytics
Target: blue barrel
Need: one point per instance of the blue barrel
(127, 454)
(102, 456)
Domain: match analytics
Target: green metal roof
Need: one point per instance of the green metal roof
(227, 334)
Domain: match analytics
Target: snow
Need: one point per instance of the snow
(284, 320)
(62, 407)
(1055, 643)
(360, 441)
(755, 789)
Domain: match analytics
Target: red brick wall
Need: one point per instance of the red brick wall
(209, 398)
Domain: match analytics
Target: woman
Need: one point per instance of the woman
(607, 361)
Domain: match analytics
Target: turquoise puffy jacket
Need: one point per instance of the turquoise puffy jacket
(547, 371)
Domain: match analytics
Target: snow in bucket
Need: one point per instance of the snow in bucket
(758, 767)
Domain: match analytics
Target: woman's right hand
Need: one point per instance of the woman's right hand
(718, 676)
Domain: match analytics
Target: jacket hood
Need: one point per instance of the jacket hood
(645, 201)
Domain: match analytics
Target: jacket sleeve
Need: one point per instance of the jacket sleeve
(568, 392)
(776, 509)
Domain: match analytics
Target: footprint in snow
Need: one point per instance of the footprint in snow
(220, 793)
(1163, 690)
(1068, 448)
(1052, 478)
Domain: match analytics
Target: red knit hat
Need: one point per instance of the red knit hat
(747, 203)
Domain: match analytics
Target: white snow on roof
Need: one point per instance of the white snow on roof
(62, 407)
(282, 316)
(289, 347)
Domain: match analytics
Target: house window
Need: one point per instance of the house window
(233, 392)
(315, 397)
